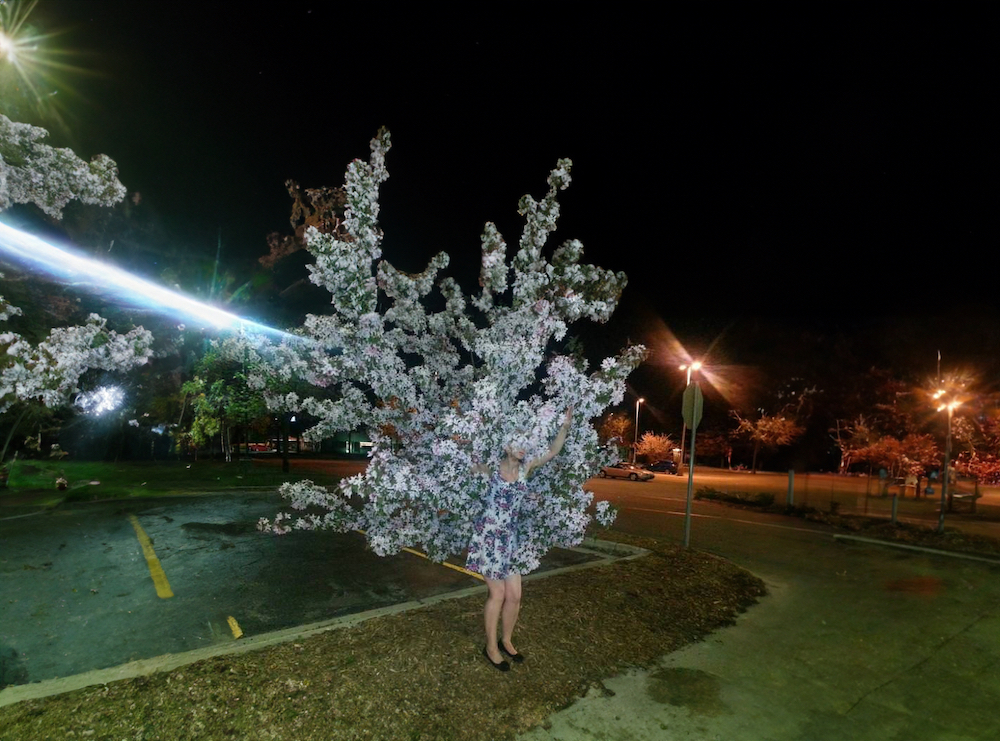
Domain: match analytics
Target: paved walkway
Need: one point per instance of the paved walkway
(854, 642)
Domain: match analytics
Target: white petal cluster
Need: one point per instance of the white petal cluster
(50, 371)
(445, 389)
(50, 177)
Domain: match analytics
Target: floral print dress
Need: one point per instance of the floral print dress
(494, 540)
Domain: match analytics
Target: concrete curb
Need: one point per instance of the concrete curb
(919, 549)
(608, 552)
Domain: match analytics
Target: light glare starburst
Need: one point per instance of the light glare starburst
(100, 400)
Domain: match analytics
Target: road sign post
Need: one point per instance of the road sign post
(691, 408)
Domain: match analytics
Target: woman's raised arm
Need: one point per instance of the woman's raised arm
(556, 445)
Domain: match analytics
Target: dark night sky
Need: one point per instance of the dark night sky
(819, 172)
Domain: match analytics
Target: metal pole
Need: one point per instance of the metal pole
(635, 432)
(690, 495)
(944, 483)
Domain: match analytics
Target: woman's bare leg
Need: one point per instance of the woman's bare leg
(511, 608)
(491, 613)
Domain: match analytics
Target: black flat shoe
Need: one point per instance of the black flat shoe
(516, 658)
(502, 666)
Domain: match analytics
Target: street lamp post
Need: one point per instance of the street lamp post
(635, 433)
(694, 366)
(950, 406)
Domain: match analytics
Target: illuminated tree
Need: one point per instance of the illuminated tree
(49, 372)
(653, 447)
(443, 390)
(769, 431)
(617, 430)
(911, 456)
(850, 438)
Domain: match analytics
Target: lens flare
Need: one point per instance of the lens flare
(69, 266)
(100, 400)
(24, 66)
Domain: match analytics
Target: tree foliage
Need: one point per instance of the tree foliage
(220, 398)
(49, 372)
(50, 177)
(912, 455)
(442, 390)
(617, 430)
(768, 431)
(654, 447)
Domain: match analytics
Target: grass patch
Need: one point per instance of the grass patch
(419, 675)
(952, 539)
(762, 500)
(89, 480)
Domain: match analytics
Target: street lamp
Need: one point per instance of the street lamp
(693, 366)
(635, 432)
(951, 406)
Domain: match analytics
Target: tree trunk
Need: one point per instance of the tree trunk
(10, 435)
(285, 464)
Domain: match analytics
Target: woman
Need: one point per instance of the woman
(494, 543)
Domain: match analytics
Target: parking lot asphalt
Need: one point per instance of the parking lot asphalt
(80, 593)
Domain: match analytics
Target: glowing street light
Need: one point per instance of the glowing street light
(694, 366)
(689, 367)
(635, 435)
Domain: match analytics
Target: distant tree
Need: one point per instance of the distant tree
(979, 439)
(911, 456)
(983, 467)
(221, 401)
(851, 437)
(616, 429)
(712, 444)
(654, 447)
(767, 432)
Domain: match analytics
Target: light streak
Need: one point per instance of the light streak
(70, 266)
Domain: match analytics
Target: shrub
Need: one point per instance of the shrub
(760, 499)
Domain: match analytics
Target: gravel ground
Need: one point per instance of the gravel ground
(418, 675)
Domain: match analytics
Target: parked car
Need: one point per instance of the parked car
(663, 467)
(625, 470)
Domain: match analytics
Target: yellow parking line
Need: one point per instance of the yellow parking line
(155, 570)
(444, 563)
(235, 627)
(441, 563)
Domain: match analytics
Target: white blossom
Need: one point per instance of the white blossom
(50, 371)
(50, 177)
